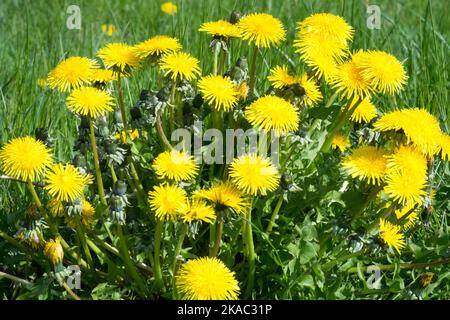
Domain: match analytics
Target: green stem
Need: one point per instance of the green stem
(212, 237)
(98, 173)
(253, 71)
(129, 265)
(219, 233)
(113, 172)
(274, 214)
(122, 105)
(161, 133)
(156, 256)
(137, 182)
(251, 255)
(175, 263)
(216, 52)
(342, 119)
(82, 236)
(172, 106)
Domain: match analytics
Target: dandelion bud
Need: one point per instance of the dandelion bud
(163, 95)
(235, 17)
(41, 134)
(54, 251)
(145, 94)
(120, 188)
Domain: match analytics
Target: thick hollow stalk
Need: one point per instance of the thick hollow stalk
(219, 232)
(122, 105)
(98, 173)
(253, 71)
(251, 255)
(156, 255)
(129, 265)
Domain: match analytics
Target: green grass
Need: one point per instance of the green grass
(35, 38)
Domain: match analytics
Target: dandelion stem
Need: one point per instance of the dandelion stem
(98, 173)
(219, 233)
(342, 119)
(253, 72)
(212, 237)
(251, 255)
(178, 248)
(129, 265)
(274, 214)
(156, 256)
(172, 106)
(373, 193)
(122, 105)
(81, 233)
(161, 133)
(216, 52)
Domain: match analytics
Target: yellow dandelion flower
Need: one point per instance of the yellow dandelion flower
(132, 135)
(179, 66)
(108, 29)
(321, 28)
(169, 8)
(175, 165)
(165, 200)
(89, 101)
(221, 28)
(280, 77)
(384, 71)
(411, 219)
(25, 158)
(54, 251)
(316, 30)
(72, 73)
(102, 76)
(340, 142)
(220, 92)
(225, 195)
(156, 46)
(207, 279)
(120, 57)
(263, 29)
(364, 112)
(366, 163)
(66, 183)
(312, 90)
(409, 160)
(392, 235)
(273, 113)
(405, 187)
(444, 144)
(42, 83)
(197, 210)
(254, 174)
(419, 126)
(349, 80)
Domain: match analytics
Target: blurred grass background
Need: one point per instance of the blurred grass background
(35, 38)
